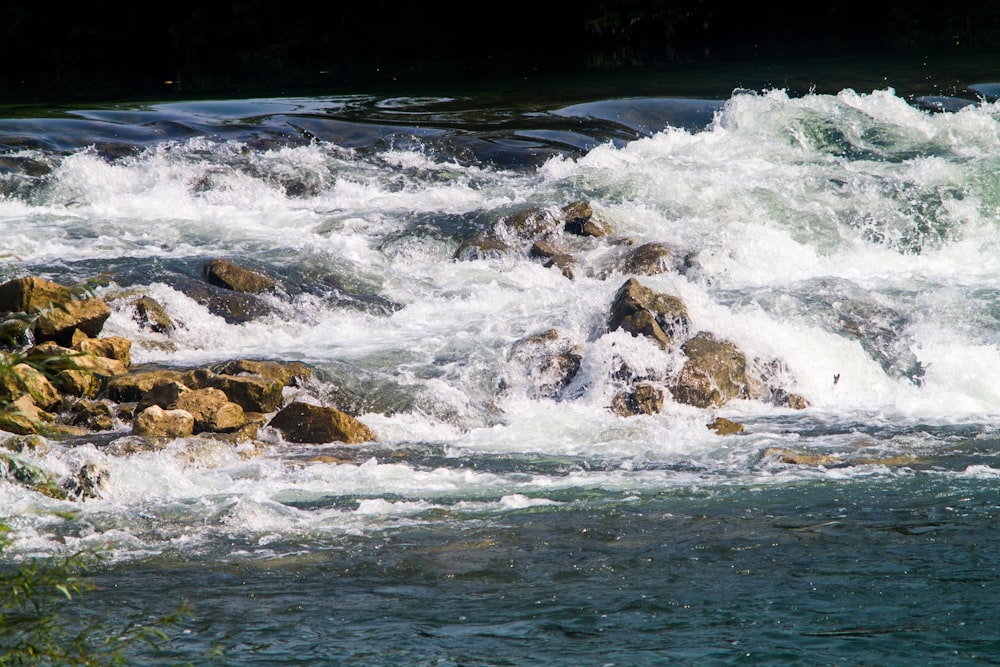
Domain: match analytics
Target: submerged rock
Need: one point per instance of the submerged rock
(151, 314)
(548, 361)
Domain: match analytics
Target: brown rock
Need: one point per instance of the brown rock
(60, 322)
(135, 384)
(529, 225)
(252, 393)
(110, 347)
(164, 393)
(481, 247)
(223, 273)
(641, 311)
(211, 409)
(652, 258)
(714, 373)
(155, 422)
(646, 399)
(32, 295)
(580, 220)
(287, 373)
(23, 417)
(548, 360)
(93, 415)
(303, 422)
(724, 426)
(150, 314)
(37, 385)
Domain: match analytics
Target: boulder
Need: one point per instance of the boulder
(111, 347)
(715, 372)
(307, 423)
(724, 426)
(150, 314)
(652, 258)
(641, 311)
(133, 385)
(223, 273)
(32, 295)
(60, 322)
(549, 361)
(155, 422)
(252, 393)
(23, 417)
(579, 216)
(481, 247)
(28, 379)
(529, 225)
(164, 393)
(645, 399)
(211, 409)
(92, 415)
(287, 373)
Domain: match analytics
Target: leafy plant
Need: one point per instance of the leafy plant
(34, 633)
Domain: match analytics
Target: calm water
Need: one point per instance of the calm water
(831, 228)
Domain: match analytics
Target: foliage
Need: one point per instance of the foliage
(32, 631)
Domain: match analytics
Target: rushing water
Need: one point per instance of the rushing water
(851, 235)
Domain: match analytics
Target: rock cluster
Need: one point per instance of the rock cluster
(714, 371)
(59, 377)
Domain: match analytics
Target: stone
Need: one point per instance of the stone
(307, 423)
(211, 409)
(32, 295)
(724, 426)
(150, 314)
(224, 273)
(652, 258)
(133, 385)
(164, 393)
(36, 384)
(23, 417)
(16, 333)
(580, 220)
(110, 347)
(481, 247)
(93, 415)
(155, 422)
(549, 361)
(645, 399)
(60, 322)
(641, 311)
(287, 373)
(530, 224)
(715, 372)
(250, 392)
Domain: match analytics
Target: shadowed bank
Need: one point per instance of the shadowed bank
(54, 51)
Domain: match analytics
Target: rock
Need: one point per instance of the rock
(155, 422)
(32, 295)
(111, 347)
(306, 423)
(60, 322)
(252, 393)
(87, 483)
(796, 402)
(164, 393)
(287, 373)
(481, 247)
(93, 415)
(223, 273)
(529, 225)
(724, 426)
(211, 409)
(135, 384)
(580, 220)
(714, 373)
(150, 314)
(37, 385)
(34, 478)
(23, 417)
(652, 258)
(640, 311)
(549, 362)
(646, 399)
(16, 333)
